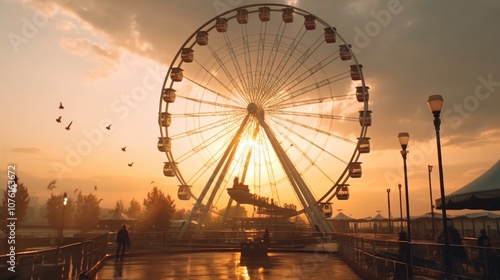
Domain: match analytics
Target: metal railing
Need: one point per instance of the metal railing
(381, 259)
(62, 262)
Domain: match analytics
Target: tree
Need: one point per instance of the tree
(158, 210)
(234, 212)
(55, 211)
(180, 214)
(134, 210)
(18, 201)
(87, 211)
(119, 208)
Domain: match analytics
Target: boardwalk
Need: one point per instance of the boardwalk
(228, 265)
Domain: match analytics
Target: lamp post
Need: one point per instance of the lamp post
(404, 137)
(65, 201)
(429, 168)
(400, 208)
(389, 209)
(435, 103)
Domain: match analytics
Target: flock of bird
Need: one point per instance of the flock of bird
(52, 184)
(60, 117)
(108, 127)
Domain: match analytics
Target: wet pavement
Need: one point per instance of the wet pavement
(228, 265)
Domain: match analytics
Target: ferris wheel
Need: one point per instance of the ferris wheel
(264, 105)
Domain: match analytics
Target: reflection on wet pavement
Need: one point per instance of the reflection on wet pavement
(228, 265)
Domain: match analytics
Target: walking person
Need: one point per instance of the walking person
(266, 237)
(122, 240)
(458, 253)
(402, 270)
(484, 253)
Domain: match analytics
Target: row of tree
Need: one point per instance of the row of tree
(155, 213)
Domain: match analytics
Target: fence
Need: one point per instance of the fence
(63, 262)
(379, 259)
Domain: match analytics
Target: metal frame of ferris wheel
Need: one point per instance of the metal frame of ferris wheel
(306, 198)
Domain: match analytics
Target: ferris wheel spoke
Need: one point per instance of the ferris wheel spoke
(277, 84)
(204, 128)
(248, 58)
(285, 59)
(278, 72)
(215, 104)
(277, 124)
(306, 89)
(273, 53)
(203, 145)
(315, 129)
(260, 56)
(306, 156)
(226, 71)
(306, 102)
(209, 114)
(307, 73)
(314, 115)
(226, 97)
(206, 167)
(236, 63)
(297, 181)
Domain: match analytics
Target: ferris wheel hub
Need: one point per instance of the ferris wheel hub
(252, 108)
(255, 109)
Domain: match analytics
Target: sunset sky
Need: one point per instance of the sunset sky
(93, 55)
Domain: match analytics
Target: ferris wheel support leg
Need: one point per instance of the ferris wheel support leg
(226, 158)
(315, 216)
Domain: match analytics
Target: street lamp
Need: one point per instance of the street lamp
(400, 208)
(389, 209)
(65, 201)
(404, 137)
(429, 168)
(435, 103)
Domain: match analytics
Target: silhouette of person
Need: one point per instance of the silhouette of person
(123, 240)
(484, 254)
(483, 241)
(457, 250)
(266, 237)
(402, 271)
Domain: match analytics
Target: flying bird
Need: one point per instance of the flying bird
(69, 125)
(108, 127)
(130, 164)
(58, 119)
(95, 188)
(124, 149)
(76, 190)
(152, 182)
(99, 200)
(52, 185)
(61, 106)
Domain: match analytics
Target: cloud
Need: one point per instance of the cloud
(108, 58)
(426, 48)
(473, 139)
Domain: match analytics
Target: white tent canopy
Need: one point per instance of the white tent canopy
(342, 217)
(482, 193)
